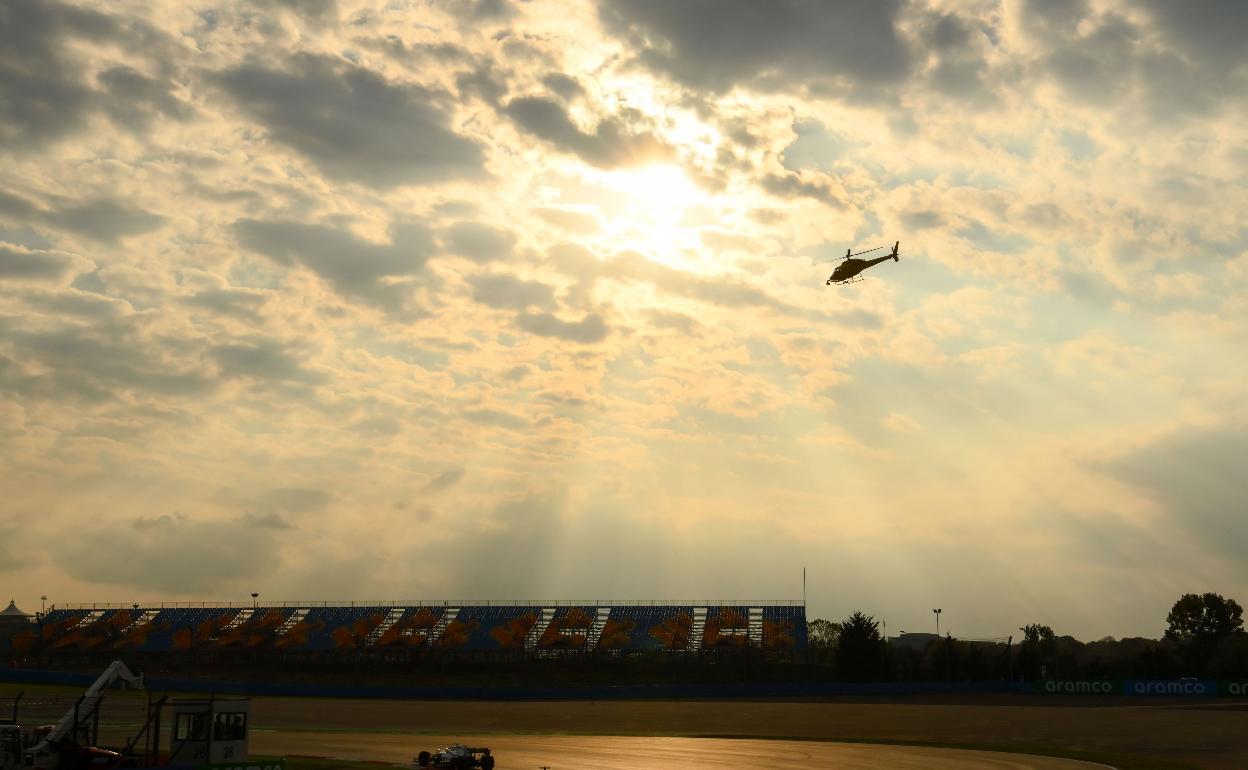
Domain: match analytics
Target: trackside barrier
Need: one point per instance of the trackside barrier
(1185, 688)
(1173, 688)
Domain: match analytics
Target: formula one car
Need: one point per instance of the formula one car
(456, 756)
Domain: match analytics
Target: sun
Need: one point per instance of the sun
(649, 211)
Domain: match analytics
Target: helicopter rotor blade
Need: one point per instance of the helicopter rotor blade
(868, 251)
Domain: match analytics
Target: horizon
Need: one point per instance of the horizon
(491, 297)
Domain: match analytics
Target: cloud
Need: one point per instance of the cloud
(264, 521)
(590, 329)
(98, 363)
(571, 220)
(42, 96)
(1198, 476)
(500, 290)
(846, 47)
(353, 123)
(100, 219)
(45, 94)
(134, 100)
(612, 144)
(238, 303)
(443, 481)
(804, 185)
(262, 359)
(478, 242)
(17, 264)
(355, 268)
(174, 554)
(296, 499)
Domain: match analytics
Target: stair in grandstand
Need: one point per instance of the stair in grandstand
(697, 629)
(539, 628)
(295, 618)
(756, 626)
(595, 630)
(448, 617)
(393, 616)
(242, 617)
(86, 620)
(147, 617)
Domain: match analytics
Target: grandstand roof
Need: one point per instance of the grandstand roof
(13, 612)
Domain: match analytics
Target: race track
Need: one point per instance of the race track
(572, 752)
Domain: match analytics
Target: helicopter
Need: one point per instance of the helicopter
(847, 271)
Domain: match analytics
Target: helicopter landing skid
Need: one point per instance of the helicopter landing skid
(842, 283)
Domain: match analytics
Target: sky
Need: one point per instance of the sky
(422, 300)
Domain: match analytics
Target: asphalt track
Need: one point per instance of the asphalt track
(575, 752)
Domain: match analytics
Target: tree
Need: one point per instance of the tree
(822, 636)
(1036, 650)
(822, 633)
(859, 648)
(1204, 618)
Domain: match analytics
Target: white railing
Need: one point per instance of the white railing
(436, 603)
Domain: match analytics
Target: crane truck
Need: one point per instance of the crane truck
(63, 746)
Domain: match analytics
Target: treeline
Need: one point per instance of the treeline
(1204, 638)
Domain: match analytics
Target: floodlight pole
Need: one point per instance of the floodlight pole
(937, 613)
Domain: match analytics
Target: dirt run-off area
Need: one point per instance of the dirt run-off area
(1126, 732)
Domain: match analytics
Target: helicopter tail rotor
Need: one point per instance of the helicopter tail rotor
(894, 254)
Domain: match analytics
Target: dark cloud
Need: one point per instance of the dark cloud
(612, 143)
(497, 418)
(443, 481)
(501, 290)
(476, 11)
(239, 303)
(483, 83)
(680, 322)
(353, 123)
(262, 359)
(1181, 58)
(1213, 33)
(478, 242)
(42, 96)
(264, 521)
(103, 220)
(134, 100)
(44, 92)
(563, 85)
(97, 363)
(922, 220)
(296, 499)
(1198, 475)
(100, 219)
(812, 185)
(356, 268)
(34, 265)
(77, 303)
(590, 329)
(848, 46)
(170, 553)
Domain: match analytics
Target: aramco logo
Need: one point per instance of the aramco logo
(1080, 687)
(1181, 687)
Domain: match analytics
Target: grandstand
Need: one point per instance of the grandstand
(524, 628)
